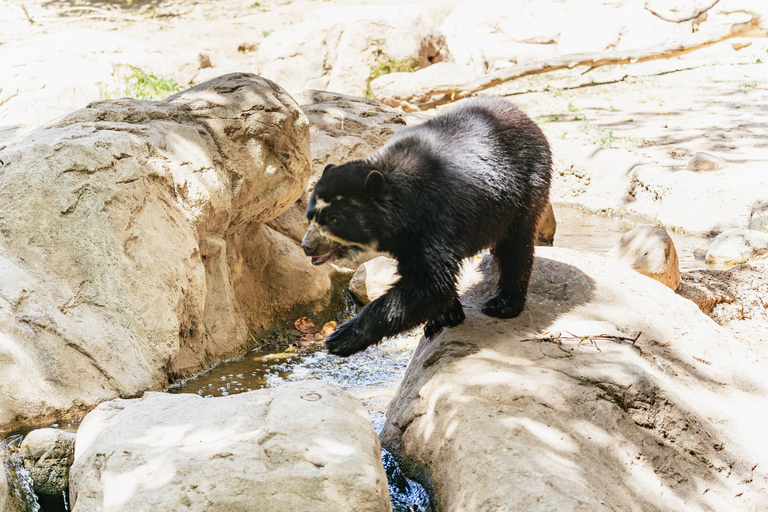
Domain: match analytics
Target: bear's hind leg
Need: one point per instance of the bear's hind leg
(451, 317)
(513, 258)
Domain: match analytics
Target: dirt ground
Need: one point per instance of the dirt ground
(713, 100)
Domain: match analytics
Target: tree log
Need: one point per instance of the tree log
(394, 89)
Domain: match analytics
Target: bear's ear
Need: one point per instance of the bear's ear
(374, 183)
(329, 166)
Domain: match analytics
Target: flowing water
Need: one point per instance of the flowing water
(20, 486)
(372, 376)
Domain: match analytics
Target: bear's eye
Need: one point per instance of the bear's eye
(331, 220)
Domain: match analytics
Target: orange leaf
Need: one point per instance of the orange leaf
(328, 329)
(305, 325)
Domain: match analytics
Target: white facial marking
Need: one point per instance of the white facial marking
(320, 204)
(316, 229)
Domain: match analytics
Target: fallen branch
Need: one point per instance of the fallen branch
(385, 88)
(590, 339)
(679, 18)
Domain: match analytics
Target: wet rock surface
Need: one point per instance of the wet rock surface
(568, 408)
(163, 451)
(48, 454)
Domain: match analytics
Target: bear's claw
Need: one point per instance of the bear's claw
(502, 306)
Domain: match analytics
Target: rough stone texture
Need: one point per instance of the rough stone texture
(702, 162)
(614, 180)
(47, 454)
(5, 505)
(342, 128)
(335, 47)
(496, 33)
(510, 415)
(305, 446)
(373, 278)
(736, 298)
(394, 88)
(39, 85)
(736, 246)
(128, 242)
(545, 231)
(651, 251)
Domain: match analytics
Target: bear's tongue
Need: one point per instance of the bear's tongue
(319, 260)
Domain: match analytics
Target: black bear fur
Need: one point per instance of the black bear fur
(475, 177)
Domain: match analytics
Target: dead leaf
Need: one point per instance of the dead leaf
(328, 328)
(305, 325)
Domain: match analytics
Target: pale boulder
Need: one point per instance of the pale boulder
(373, 279)
(304, 446)
(396, 89)
(736, 246)
(5, 499)
(128, 251)
(335, 48)
(608, 392)
(650, 251)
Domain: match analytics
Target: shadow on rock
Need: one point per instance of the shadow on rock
(566, 408)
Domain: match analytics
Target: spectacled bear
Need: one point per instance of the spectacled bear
(475, 177)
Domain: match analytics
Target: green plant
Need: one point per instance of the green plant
(571, 108)
(141, 85)
(548, 118)
(384, 64)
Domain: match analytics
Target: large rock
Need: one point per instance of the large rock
(47, 454)
(736, 246)
(496, 33)
(5, 499)
(651, 251)
(128, 242)
(335, 48)
(401, 89)
(373, 279)
(39, 85)
(305, 446)
(609, 392)
(617, 181)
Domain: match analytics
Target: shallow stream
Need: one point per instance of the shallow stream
(372, 376)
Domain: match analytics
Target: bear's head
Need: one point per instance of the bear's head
(343, 211)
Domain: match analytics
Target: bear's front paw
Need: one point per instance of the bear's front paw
(347, 340)
(452, 317)
(502, 306)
